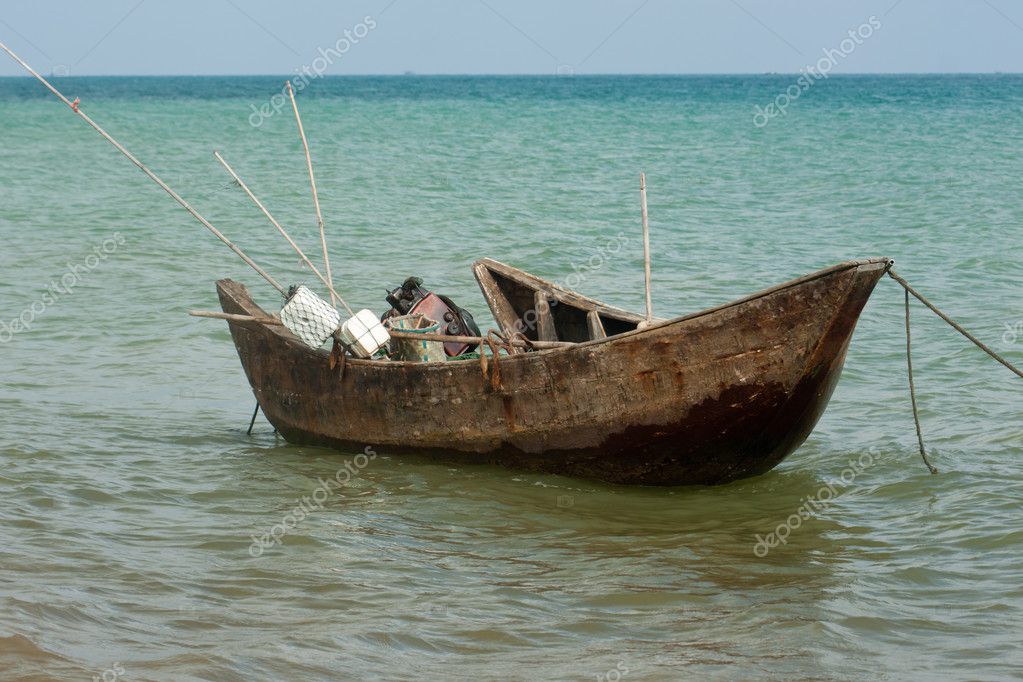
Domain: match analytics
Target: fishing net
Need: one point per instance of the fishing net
(309, 317)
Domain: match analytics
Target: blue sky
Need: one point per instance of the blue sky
(503, 36)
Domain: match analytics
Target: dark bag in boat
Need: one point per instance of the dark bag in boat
(411, 298)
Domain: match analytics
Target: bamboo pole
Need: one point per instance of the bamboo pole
(152, 176)
(280, 229)
(646, 248)
(316, 196)
(231, 317)
(273, 321)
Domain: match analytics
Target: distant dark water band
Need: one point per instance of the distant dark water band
(873, 89)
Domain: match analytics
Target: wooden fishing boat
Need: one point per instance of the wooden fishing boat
(705, 398)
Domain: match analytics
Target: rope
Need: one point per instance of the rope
(909, 355)
(483, 360)
(912, 390)
(980, 344)
(495, 346)
(253, 422)
(492, 370)
(525, 339)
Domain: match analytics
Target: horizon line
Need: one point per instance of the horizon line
(413, 74)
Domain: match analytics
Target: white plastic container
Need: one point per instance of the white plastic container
(364, 334)
(309, 317)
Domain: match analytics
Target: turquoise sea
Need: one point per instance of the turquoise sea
(131, 491)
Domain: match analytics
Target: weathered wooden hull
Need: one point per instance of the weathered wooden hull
(702, 399)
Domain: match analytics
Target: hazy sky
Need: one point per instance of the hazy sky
(505, 36)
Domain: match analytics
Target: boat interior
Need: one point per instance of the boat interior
(546, 311)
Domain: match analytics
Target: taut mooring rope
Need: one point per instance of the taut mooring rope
(909, 355)
(952, 323)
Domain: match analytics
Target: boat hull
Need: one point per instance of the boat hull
(707, 398)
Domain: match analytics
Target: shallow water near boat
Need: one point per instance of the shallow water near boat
(140, 521)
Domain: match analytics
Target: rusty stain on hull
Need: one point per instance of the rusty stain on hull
(706, 398)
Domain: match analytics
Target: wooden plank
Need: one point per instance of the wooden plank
(545, 329)
(595, 325)
(504, 314)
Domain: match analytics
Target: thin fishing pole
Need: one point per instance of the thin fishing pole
(152, 176)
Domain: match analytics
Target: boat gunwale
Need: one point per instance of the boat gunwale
(322, 354)
(840, 267)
